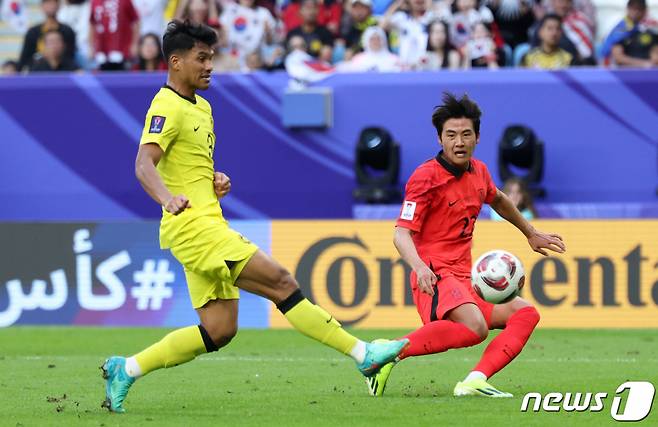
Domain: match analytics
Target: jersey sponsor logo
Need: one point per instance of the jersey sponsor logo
(157, 124)
(408, 210)
(451, 203)
(196, 128)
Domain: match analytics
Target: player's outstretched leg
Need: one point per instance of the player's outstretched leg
(466, 328)
(265, 277)
(175, 348)
(431, 338)
(519, 319)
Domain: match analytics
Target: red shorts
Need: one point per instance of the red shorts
(450, 292)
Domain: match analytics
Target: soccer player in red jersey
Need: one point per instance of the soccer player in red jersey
(434, 233)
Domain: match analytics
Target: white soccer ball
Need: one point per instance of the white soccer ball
(497, 276)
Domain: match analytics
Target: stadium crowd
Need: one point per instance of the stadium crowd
(335, 35)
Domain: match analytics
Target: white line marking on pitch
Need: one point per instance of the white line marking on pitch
(279, 359)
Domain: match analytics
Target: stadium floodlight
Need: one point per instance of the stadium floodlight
(377, 167)
(521, 155)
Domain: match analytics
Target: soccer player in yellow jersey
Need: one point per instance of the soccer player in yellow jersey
(175, 166)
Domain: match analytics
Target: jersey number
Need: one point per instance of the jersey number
(211, 145)
(469, 225)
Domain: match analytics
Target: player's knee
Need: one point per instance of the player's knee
(223, 334)
(286, 283)
(479, 328)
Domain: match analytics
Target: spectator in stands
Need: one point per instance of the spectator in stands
(548, 55)
(359, 18)
(301, 66)
(514, 20)
(630, 41)
(75, 14)
(466, 14)
(149, 56)
(441, 54)
(653, 53)
(34, 44)
(586, 7)
(481, 51)
(577, 32)
(9, 68)
(409, 19)
(442, 9)
(224, 60)
(253, 62)
(375, 57)
(248, 27)
(318, 39)
(517, 190)
(53, 57)
(329, 15)
(114, 33)
(151, 16)
(198, 12)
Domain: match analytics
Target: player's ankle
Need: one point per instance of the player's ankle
(358, 352)
(132, 368)
(475, 375)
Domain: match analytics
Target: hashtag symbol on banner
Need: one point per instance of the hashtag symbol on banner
(152, 284)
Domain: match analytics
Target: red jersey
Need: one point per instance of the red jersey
(112, 22)
(441, 205)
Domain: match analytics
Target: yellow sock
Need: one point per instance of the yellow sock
(313, 321)
(179, 346)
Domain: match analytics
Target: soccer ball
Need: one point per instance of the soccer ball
(497, 276)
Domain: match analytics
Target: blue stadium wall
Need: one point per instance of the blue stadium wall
(68, 142)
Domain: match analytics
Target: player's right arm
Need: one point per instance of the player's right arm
(148, 157)
(407, 250)
(160, 130)
(417, 202)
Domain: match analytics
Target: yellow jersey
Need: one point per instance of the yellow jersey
(183, 128)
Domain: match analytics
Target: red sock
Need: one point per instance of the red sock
(509, 343)
(439, 336)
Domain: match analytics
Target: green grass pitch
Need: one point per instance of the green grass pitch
(50, 376)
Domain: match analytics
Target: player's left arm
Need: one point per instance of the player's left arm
(537, 240)
(222, 184)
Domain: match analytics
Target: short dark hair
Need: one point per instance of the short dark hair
(640, 4)
(183, 35)
(453, 108)
(550, 17)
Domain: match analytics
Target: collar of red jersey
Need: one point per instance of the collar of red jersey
(454, 170)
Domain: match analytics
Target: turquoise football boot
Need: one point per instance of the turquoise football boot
(117, 383)
(379, 353)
